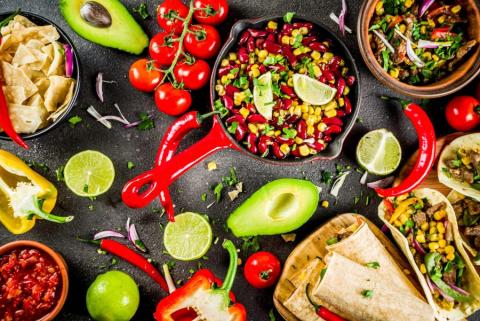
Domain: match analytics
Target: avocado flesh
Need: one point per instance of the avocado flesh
(278, 207)
(124, 33)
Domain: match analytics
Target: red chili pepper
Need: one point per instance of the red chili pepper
(348, 105)
(426, 154)
(132, 257)
(323, 312)
(441, 33)
(6, 122)
(201, 296)
(169, 144)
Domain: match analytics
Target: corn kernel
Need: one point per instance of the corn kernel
(297, 52)
(232, 56)
(251, 60)
(456, 9)
(311, 110)
(272, 25)
(427, 55)
(438, 215)
(298, 140)
(220, 90)
(413, 250)
(290, 82)
(302, 70)
(316, 71)
(254, 73)
(284, 148)
(423, 269)
(442, 243)
(254, 67)
(298, 110)
(310, 130)
(327, 56)
(305, 116)
(409, 3)
(397, 223)
(424, 226)
(318, 111)
(253, 128)
(379, 8)
(277, 132)
(322, 127)
(304, 150)
(331, 105)
(341, 102)
(270, 133)
(394, 72)
(315, 55)
(304, 30)
(330, 113)
(433, 246)
(325, 204)
(423, 30)
(431, 23)
(224, 80)
(402, 28)
(346, 91)
(433, 237)
(441, 19)
(304, 108)
(441, 236)
(466, 160)
(440, 227)
(244, 112)
(263, 53)
(420, 238)
(449, 249)
(450, 256)
(403, 218)
(433, 229)
(433, 224)
(286, 40)
(225, 62)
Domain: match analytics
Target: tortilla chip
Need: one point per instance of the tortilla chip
(57, 92)
(7, 57)
(24, 21)
(35, 44)
(6, 43)
(24, 56)
(27, 119)
(14, 94)
(14, 76)
(68, 98)
(42, 85)
(35, 100)
(57, 67)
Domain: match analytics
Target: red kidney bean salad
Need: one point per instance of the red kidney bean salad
(271, 58)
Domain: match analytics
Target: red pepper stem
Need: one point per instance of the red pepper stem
(402, 102)
(232, 269)
(202, 117)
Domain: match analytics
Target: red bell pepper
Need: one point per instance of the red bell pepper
(201, 298)
(441, 33)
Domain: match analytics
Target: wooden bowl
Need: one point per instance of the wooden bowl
(446, 86)
(57, 258)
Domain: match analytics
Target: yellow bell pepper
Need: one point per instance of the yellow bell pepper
(404, 207)
(24, 195)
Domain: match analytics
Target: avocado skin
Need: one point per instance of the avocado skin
(124, 33)
(252, 217)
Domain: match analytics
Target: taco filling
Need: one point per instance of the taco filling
(430, 238)
(464, 167)
(467, 211)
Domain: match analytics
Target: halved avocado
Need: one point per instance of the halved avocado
(105, 22)
(278, 207)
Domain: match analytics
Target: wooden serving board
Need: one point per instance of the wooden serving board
(431, 181)
(314, 246)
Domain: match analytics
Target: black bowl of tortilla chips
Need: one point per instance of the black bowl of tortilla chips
(40, 73)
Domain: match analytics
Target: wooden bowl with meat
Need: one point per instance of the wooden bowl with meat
(421, 48)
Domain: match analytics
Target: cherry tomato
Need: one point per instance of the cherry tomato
(163, 48)
(172, 101)
(210, 12)
(462, 113)
(262, 270)
(145, 75)
(193, 75)
(167, 14)
(203, 42)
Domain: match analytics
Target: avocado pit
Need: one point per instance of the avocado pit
(96, 14)
(282, 206)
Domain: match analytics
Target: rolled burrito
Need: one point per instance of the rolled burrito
(361, 293)
(358, 243)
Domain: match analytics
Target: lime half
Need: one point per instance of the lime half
(263, 95)
(89, 173)
(379, 152)
(312, 91)
(188, 238)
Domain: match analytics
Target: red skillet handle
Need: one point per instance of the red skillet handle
(160, 177)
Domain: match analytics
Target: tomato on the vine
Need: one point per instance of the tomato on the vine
(172, 101)
(145, 75)
(167, 14)
(210, 12)
(463, 113)
(262, 270)
(203, 41)
(194, 75)
(163, 48)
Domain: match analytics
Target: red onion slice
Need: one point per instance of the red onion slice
(424, 7)
(337, 21)
(364, 177)
(410, 52)
(135, 239)
(68, 60)
(385, 229)
(459, 290)
(433, 44)
(114, 118)
(382, 183)
(107, 233)
(127, 224)
(341, 17)
(99, 86)
(418, 247)
(384, 40)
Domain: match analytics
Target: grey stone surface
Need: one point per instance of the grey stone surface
(55, 148)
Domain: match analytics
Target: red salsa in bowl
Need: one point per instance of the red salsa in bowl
(30, 284)
(275, 61)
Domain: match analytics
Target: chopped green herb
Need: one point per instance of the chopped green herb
(332, 240)
(356, 199)
(218, 106)
(146, 122)
(39, 166)
(367, 293)
(289, 132)
(91, 207)
(203, 198)
(288, 17)
(232, 129)
(271, 315)
(74, 120)
(142, 10)
(250, 245)
(59, 174)
(386, 59)
(217, 191)
(171, 264)
(327, 177)
(373, 265)
(85, 188)
(322, 272)
(130, 165)
(232, 179)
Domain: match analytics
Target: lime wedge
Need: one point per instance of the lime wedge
(379, 152)
(263, 95)
(188, 238)
(312, 91)
(89, 173)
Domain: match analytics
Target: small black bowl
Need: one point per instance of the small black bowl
(41, 21)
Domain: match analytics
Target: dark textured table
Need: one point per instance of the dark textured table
(55, 148)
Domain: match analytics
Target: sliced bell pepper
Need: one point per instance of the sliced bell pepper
(202, 298)
(441, 33)
(14, 173)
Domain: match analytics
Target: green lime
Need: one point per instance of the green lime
(89, 173)
(189, 237)
(263, 95)
(312, 91)
(379, 152)
(113, 296)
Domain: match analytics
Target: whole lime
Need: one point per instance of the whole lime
(113, 296)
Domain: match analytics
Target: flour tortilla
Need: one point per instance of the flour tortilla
(363, 247)
(344, 282)
(472, 281)
(466, 142)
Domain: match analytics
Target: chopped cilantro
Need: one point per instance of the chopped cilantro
(367, 293)
(373, 265)
(271, 315)
(217, 191)
(289, 132)
(59, 173)
(250, 245)
(332, 240)
(203, 198)
(74, 120)
(327, 177)
(232, 129)
(130, 165)
(142, 10)
(288, 17)
(146, 122)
